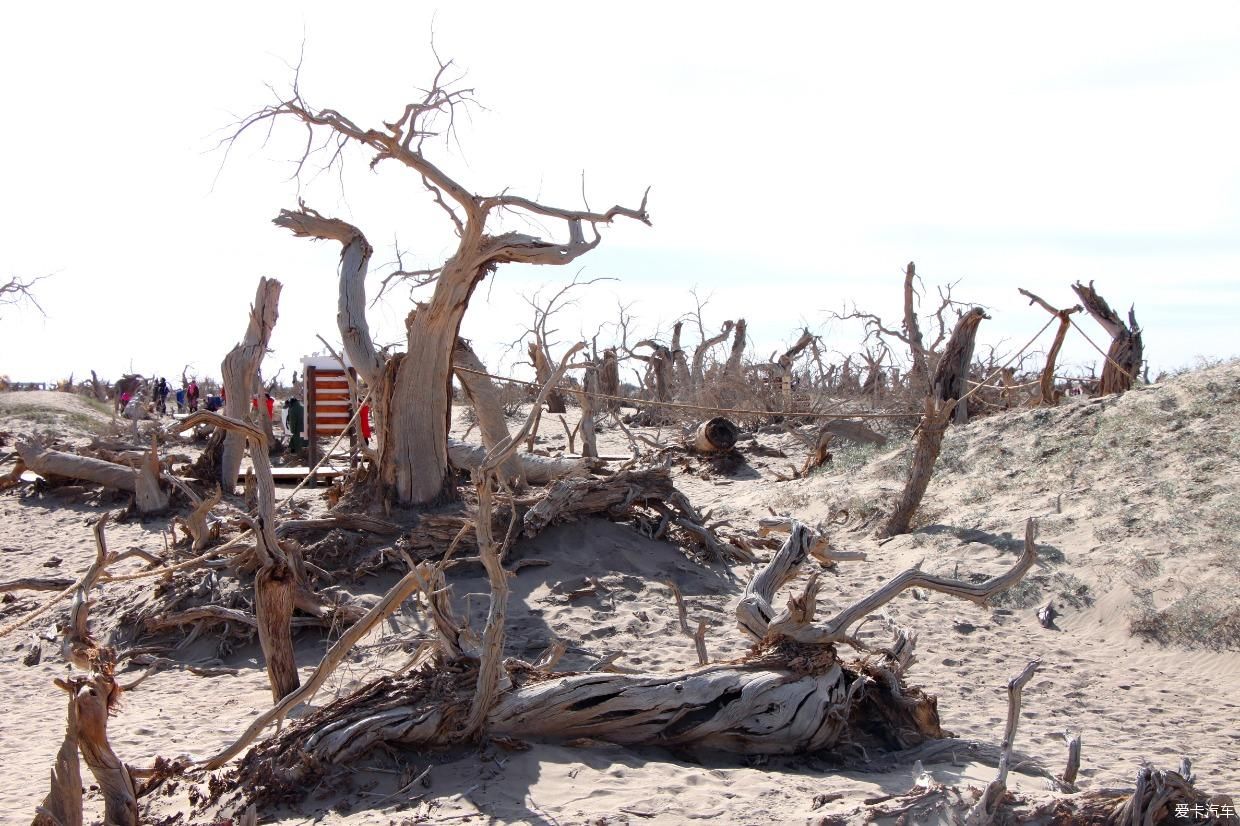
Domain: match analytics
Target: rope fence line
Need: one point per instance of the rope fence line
(1105, 355)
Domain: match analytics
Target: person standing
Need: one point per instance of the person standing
(296, 421)
(191, 395)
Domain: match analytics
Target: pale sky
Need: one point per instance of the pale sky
(798, 157)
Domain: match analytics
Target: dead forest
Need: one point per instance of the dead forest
(249, 562)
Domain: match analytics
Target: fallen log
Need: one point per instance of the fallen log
(791, 694)
(143, 482)
(538, 470)
(615, 496)
(35, 584)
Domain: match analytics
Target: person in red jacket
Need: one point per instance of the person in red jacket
(363, 420)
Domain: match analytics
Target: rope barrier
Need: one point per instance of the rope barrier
(1008, 363)
(1105, 355)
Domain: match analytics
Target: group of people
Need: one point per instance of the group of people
(188, 399)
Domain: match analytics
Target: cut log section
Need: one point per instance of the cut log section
(717, 435)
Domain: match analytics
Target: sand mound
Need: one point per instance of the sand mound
(67, 415)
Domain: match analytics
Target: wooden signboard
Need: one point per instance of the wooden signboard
(328, 405)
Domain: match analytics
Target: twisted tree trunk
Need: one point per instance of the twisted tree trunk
(951, 378)
(240, 369)
(920, 373)
(732, 369)
(1123, 358)
(697, 375)
(927, 443)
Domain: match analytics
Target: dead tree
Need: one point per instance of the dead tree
(732, 368)
(609, 379)
(17, 291)
(1123, 357)
(1046, 383)
(587, 400)
(939, 406)
(912, 332)
(662, 363)
(63, 804)
(923, 356)
(697, 372)
(415, 390)
(240, 370)
(484, 398)
(680, 366)
(787, 359)
(927, 442)
(276, 584)
(792, 694)
(951, 378)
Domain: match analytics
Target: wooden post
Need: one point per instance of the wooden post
(312, 446)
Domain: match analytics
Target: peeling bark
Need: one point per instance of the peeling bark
(240, 371)
(951, 378)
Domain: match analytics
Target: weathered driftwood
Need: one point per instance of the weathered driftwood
(927, 443)
(983, 812)
(754, 612)
(345, 521)
(240, 371)
(951, 377)
(1123, 357)
(1160, 796)
(78, 645)
(714, 436)
(63, 804)
(537, 470)
(142, 482)
(614, 496)
(819, 452)
(416, 579)
(198, 525)
(35, 584)
(785, 697)
(95, 697)
(1074, 759)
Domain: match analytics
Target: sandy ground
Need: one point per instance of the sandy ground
(1138, 506)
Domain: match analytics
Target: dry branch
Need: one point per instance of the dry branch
(984, 811)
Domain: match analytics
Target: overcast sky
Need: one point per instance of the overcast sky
(798, 158)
